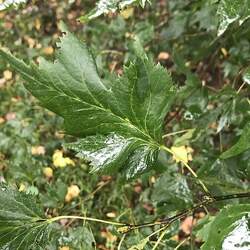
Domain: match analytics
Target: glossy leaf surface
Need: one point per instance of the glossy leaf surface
(230, 11)
(8, 3)
(123, 118)
(107, 6)
(230, 229)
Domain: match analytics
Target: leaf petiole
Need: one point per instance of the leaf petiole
(187, 166)
(85, 219)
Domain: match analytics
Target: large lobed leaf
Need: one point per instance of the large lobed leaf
(120, 122)
(230, 11)
(22, 223)
(230, 229)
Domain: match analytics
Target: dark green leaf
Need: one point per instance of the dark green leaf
(120, 121)
(223, 175)
(78, 238)
(171, 192)
(230, 229)
(22, 223)
(230, 11)
(242, 145)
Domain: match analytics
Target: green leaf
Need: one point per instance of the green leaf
(230, 229)
(242, 145)
(22, 222)
(223, 175)
(202, 227)
(141, 245)
(79, 237)
(8, 3)
(107, 6)
(171, 192)
(230, 11)
(120, 121)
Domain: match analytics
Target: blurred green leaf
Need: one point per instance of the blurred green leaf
(171, 192)
(223, 175)
(242, 145)
(80, 238)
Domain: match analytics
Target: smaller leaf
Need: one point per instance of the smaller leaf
(242, 145)
(171, 192)
(223, 175)
(22, 222)
(230, 229)
(185, 138)
(78, 238)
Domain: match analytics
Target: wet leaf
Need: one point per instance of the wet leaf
(120, 122)
(110, 6)
(230, 229)
(230, 11)
(8, 3)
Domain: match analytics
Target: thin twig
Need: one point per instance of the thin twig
(160, 238)
(125, 227)
(177, 132)
(207, 200)
(181, 243)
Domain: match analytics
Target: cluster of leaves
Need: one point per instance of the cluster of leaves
(119, 121)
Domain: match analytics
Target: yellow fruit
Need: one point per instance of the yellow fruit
(7, 74)
(22, 187)
(38, 150)
(111, 214)
(48, 172)
(60, 161)
(64, 248)
(48, 50)
(73, 191)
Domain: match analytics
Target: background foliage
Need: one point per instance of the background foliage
(206, 47)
